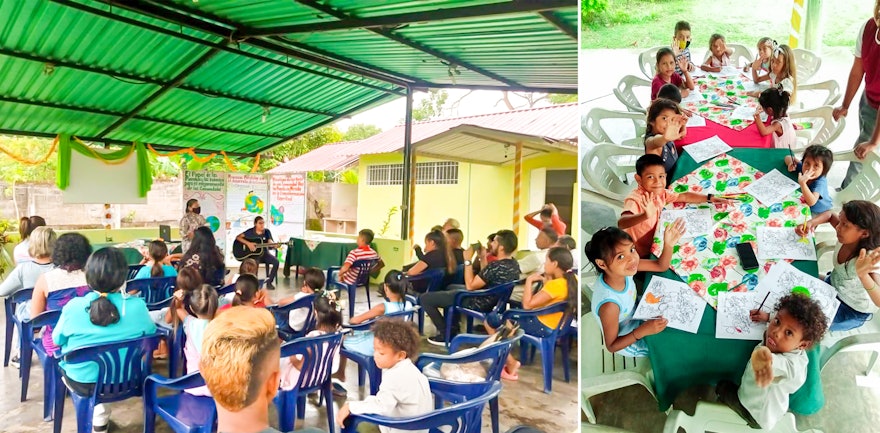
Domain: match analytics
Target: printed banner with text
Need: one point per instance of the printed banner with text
(209, 188)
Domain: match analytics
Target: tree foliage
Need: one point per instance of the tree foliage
(28, 148)
(561, 98)
(360, 131)
(430, 107)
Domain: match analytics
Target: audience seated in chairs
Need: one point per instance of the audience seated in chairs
(438, 255)
(362, 252)
(503, 270)
(205, 257)
(533, 261)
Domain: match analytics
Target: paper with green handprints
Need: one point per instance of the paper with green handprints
(709, 264)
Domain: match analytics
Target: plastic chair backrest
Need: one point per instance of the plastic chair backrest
(463, 417)
(596, 169)
(458, 277)
(648, 61)
(829, 86)
(595, 358)
(593, 129)
(865, 186)
(626, 95)
(823, 134)
(495, 354)
(122, 366)
(317, 353)
(133, 270)
(431, 278)
(807, 63)
(155, 291)
(363, 268)
(57, 299)
(282, 316)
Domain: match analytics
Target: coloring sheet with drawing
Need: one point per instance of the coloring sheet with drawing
(696, 121)
(784, 278)
(674, 301)
(772, 188)
(708, 148)
(784, 243)
(733, 321)
(743, 112)
(697, 222)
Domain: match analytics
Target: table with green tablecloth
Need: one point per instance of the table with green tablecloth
(132, 255)
(318, 253)
(681, 360)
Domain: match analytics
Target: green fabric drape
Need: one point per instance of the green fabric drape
(66, 144)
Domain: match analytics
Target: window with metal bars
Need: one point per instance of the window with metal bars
(427, 173)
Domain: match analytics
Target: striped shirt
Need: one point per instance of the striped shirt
(359, 253)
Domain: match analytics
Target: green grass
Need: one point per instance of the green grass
(648, 23)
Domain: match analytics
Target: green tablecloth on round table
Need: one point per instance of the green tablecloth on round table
(680, 359)
(132, 255)
(321, 254)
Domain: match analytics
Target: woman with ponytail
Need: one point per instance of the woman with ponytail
(103, 315)
(438, 255)
(155, 267)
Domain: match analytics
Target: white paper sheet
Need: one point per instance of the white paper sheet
(743, 112)
(784, 278)
(693, 96)
(673, 300)
(733, 320)
(707, 149)
(696, 221)
(696, 121)
(772, 188)
(784, 243)
(729, 71)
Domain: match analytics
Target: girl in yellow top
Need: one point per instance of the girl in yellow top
(560, 285)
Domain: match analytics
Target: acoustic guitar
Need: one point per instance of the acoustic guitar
(241, 251)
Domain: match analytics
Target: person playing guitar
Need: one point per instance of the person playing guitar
(260, 234)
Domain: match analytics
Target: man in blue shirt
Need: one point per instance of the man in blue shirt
(260, 233)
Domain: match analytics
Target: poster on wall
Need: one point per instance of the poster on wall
(246, 198)
(287, 200)
(209, 188)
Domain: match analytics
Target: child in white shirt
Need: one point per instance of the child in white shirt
(404, 391)
(313, 280)
(778, 366)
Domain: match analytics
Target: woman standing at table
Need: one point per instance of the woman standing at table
(865, 64)
(189, 223)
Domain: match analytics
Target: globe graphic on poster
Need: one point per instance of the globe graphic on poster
(276, 215)
(253, 203)
(213, 222)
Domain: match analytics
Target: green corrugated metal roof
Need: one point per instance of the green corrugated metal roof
(200, 74)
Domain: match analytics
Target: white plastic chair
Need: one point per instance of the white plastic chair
(605, 165)
(648, 61)
(715, 417)
(865, 186)
(742, 55)
(829, 86)
(807, 64)
(596, 428)
(636, 123)
(602, 371)
(625, 93)
(824, 130)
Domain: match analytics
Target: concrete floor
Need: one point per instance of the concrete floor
(521, 403)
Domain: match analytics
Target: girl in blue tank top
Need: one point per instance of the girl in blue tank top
(395, 288)
(612, 253)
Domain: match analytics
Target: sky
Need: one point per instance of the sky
(392, 113)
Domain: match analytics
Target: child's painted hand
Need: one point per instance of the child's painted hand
(651, 327)
(867, 261)
(343, 413)
(759, 316)
(762, 364)
(649, 204)
(673, 232)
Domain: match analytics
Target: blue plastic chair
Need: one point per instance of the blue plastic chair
(494, 354)
(282, 317)
(122, 369)
(10, 304)
(501, 292)
(465, 416)
(546, 342)
(317, 353)
(176, 356)
(157, 292)
(362, 278)
(30, 344)
(366, 364)
(133, 270)
(184, 412)
(456, 278)
(434, 278)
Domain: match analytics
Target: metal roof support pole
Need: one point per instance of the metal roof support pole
(517, 186)
(409, 181)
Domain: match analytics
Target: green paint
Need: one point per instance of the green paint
(763, 212)
(706, 174)
(736, 122)
(720, 186)
(696, 277)
(801, 290)
(722, 162)
(681, 188)
(747, 238)
(719, 247)
(713, 289)
(720, 216)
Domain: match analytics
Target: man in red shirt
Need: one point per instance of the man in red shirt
(549, 216)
